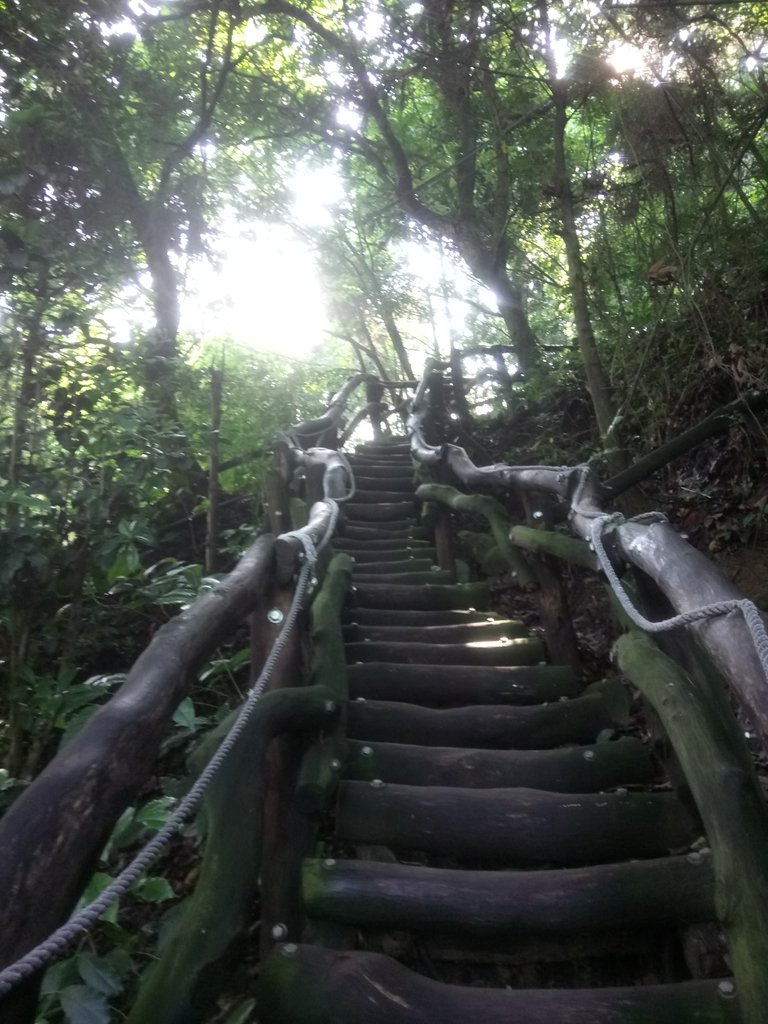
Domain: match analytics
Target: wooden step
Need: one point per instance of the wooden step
(426, 596)
(432, 575)
(303, 984)
(404, 534)
(417, 616)
(381, 512)
(402, 555)
(372, 462)
(388, 567)
(382, 470)
(518, 826)
(490, 727)
(372, 547)
(374, 497)
(506, 651)
(402, 446)
(459, 633)
(460, 685)
(575, 769)
(401, 484)
(367, 894)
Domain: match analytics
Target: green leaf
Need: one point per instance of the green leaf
(153, 815)
(184, 714)
(98, 883)
(81, 1005)
(98, 975)
(154, 890)
(56, 977)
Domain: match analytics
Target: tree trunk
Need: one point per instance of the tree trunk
(512, 309)
(396, 338)
(460, 403)
(597, 379)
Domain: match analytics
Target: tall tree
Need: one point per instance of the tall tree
(430, 66)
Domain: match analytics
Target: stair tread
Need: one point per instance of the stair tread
(585, 768)
(547, 901)
(367, 495)
(521, 650)
(426, 595)
(461, 685)
(388, 567)
(500, 726)
(416, 616)
(394, 531)
(456, 633)
(304, 984)
(434, 574)
(519, 826)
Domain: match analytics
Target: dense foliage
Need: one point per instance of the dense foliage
(591, 178)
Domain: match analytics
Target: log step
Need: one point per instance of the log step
(518, 826)
(401, 484)
(380, 513)
(303, 984)
(404, 534)
(405, 556)
(382, 470)
(426, 596)
(365, 894)
(450, 634)
(399, 547)
(460, 685)
(398, 446)
(369, 463)
(366, 496)
(506, 651)
(490, 727)
(582, 769)
(432, 575)
(407, 564)
(417, 616)
(382, 455)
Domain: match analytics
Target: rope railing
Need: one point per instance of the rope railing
(53, 832)
(703, 599)
(57, 944)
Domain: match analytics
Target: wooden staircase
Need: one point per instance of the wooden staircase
(501, 850)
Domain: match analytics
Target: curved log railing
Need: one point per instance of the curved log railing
(686, 690)
(284, 768)
(53, 833)
(687, 578)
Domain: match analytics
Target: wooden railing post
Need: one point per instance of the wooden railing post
(551, 593)
(287, 833)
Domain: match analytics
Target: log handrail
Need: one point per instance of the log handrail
(687, 578)
(688, 697)
(52, 834)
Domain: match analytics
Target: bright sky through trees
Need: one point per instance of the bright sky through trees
(265, 291)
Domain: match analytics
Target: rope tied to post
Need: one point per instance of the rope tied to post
(749, 610)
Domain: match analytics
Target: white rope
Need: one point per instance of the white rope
(752, 617)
